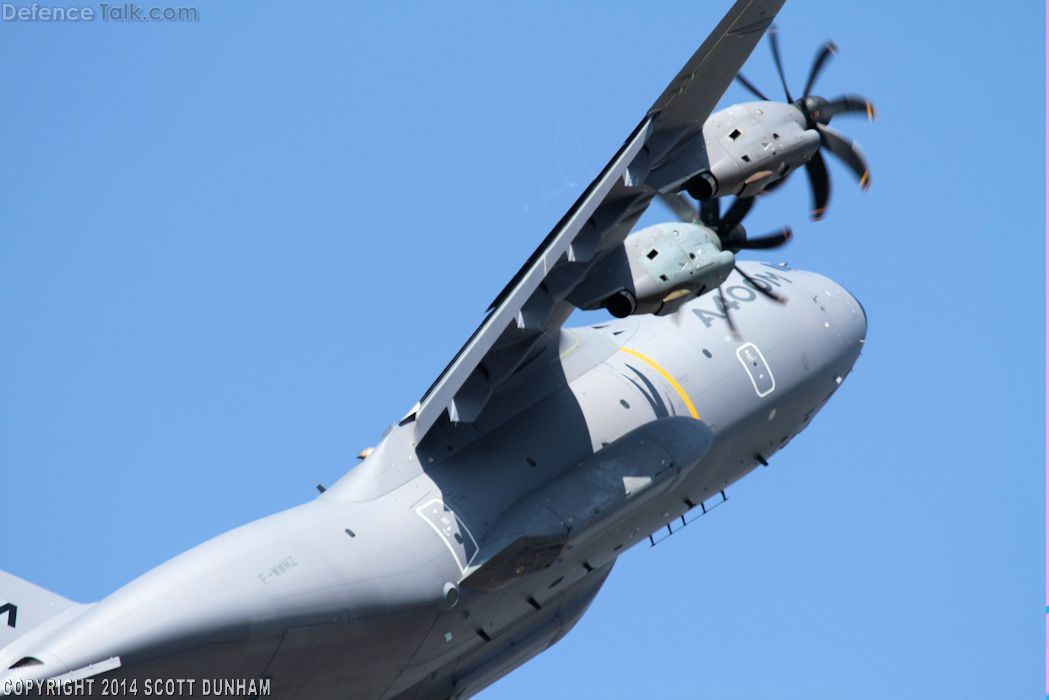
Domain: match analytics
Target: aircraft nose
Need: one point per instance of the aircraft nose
(864, 312)
(839, 316)
(843, 317)
(856, 315)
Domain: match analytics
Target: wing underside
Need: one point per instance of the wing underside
(657, 157)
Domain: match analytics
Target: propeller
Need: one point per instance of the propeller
(729, 227)
(730, 232)
(818, 112)
(733, 237)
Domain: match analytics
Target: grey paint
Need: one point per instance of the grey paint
(367, 614)
(458, 549)
(535, 303)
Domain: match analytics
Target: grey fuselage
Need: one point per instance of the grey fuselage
(369, 590)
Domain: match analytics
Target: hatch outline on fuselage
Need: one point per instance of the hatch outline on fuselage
(461, 559)
(750, 370)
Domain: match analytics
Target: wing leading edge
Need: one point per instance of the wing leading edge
(655, 157)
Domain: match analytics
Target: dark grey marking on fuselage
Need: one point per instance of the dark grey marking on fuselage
(12, 613)
(649, 391)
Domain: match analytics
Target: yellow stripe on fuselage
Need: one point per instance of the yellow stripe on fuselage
(666, 375)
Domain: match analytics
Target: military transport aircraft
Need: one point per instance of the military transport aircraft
(479, 529)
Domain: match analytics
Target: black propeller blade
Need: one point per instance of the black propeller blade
(774, 41)
(819, 181)
(735, 214)
(710, 212)
(750, 87)
(825, 52)
(846, 150)
(727, 310)
(762, 288)
(768, 241)
(847, 104)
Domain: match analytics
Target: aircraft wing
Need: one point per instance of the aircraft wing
(533, 305)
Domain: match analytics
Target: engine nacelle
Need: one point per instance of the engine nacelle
(657, 270)
(748, 146)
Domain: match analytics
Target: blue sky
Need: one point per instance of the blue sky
(234, 250)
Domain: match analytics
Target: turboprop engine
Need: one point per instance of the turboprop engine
(751, 145)
(750, 148)
(669, 264)
(658, 269)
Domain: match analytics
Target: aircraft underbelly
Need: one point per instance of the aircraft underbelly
(208, 665)
(464, 674)
(356, 659)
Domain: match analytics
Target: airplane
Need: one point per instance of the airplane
(477, 532)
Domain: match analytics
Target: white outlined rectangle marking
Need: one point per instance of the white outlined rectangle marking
(447, 525)
(757, 369)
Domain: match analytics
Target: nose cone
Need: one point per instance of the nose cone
(851, 316)
(841, 316)
(863, 312)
